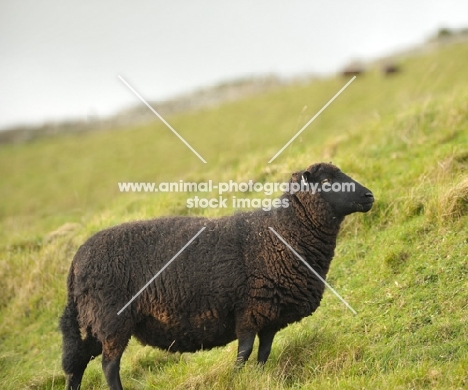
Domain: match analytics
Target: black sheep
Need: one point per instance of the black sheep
(235, 281)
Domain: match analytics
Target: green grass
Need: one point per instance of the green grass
(403, 266)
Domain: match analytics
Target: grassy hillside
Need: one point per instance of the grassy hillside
(403, 266)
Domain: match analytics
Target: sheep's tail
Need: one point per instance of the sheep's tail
(76, 350)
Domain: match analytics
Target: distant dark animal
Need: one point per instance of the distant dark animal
(235, 281)
(353, 70)
(390, 69)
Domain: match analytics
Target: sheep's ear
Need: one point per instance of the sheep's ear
(306, 177)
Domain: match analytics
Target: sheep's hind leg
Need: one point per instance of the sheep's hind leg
(90, 348)
(112, 350)
(245, 346)
(266, 340)
(76, 352)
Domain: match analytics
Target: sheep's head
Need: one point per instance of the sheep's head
(342, 193)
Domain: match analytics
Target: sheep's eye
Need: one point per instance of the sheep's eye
(326, 181)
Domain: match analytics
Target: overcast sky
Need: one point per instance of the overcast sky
(61, 59)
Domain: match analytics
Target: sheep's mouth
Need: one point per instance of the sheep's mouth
(364, 207)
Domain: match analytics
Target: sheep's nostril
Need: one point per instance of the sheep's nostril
(369, 195)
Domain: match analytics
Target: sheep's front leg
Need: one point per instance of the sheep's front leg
(266, 340)
(245, 346)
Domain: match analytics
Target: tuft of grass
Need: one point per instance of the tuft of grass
(453, 204)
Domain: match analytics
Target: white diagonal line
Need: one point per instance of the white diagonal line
(315, 116)
(314, 271)
(159, 272)
(162, 119)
